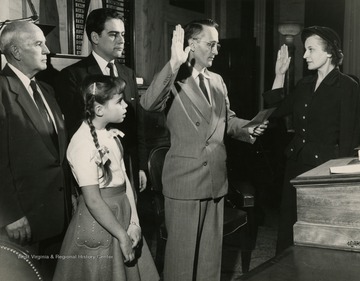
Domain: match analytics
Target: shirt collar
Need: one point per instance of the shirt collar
(196, 73)
(23, 78)
(101, 62)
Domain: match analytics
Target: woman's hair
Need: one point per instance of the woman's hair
(330, 40)
(195, 27)
(336, 55)
(100, 89)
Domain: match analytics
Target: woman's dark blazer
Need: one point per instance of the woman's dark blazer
(326, 122)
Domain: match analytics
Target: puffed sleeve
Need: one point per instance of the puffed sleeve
(82, 159)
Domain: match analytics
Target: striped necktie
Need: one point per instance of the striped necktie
(44, 113)
(110, 65)
(203, 87)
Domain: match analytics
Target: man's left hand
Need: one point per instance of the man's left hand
(258, 130)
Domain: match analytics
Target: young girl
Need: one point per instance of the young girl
(103, 241)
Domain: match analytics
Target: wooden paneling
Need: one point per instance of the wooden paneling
(154, 22)
(149, 35)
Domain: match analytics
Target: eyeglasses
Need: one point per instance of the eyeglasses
(211, 45)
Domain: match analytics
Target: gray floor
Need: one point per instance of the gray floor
(264, 249)
(231, 266)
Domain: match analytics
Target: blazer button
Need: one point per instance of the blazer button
(197, 124)
(207, 143)
(205, 163)
(61, 188)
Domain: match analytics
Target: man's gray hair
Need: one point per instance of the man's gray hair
(10, 34)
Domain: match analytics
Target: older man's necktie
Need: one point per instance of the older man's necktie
(110, 65)
(203, 87)
(44, 113)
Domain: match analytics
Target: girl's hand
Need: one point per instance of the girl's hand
(134, 232)
(126, 248)
(178, 54)
(283, 61)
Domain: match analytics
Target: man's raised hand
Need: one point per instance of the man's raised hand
(178, 54)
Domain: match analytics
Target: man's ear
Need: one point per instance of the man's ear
(99, 110)
(15, 52)
(94, 37)
(191, 45)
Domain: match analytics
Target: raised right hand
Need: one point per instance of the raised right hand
(283, 61)
(178, 54)
(19, 230)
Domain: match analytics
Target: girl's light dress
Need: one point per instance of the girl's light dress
(89, 252)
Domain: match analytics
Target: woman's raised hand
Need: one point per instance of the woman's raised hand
(282, 61)
(178, 54)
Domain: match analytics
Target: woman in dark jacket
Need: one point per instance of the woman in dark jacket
(325, 112)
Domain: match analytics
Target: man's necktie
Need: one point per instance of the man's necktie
(110, 65)
(44, 113)
(202, 87)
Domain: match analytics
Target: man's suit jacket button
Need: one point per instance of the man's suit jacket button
(61, 188)
(197, 123)
(207, 143)
(205, 163)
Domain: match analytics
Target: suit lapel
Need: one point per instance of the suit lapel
(24, 100)
(193, 92)
(27, 104)
(120, 70)
(56, 112)
(217, 98)
(92, 66)
(123, 74)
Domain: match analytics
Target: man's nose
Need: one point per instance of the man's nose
(120, 38)
(45, 50)
(305, 54)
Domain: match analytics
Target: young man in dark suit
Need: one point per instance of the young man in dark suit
(33, 167)
(106, 31)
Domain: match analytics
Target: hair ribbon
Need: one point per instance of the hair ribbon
(94, 88)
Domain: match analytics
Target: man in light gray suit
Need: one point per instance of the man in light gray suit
(194, 175)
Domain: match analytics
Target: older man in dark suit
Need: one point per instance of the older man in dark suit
(105, 30)
(33, 173)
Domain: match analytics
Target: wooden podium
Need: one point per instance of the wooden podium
(328, 208)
